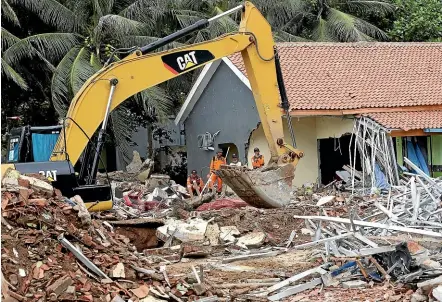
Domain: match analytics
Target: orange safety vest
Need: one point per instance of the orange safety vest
(196, 178)
(257, 161)
(216, 163)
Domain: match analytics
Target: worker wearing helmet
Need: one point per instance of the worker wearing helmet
(194, 183)
(235, 161)
(257, 159)
(215, 165)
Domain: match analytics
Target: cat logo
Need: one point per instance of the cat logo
(182, 61)
(187, 61)
(51, 175)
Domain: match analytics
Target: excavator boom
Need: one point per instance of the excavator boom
(118, 81)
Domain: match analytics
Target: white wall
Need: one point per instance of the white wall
(307, 131)
(330, 126)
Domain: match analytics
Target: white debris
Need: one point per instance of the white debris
(325, 199)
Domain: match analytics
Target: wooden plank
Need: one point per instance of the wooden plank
(373, 225)
(296, 289)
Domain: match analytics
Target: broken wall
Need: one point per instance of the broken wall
(226, 104)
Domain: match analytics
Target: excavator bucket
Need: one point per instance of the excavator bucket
(268, 187)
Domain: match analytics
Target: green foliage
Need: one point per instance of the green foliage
(417, 21)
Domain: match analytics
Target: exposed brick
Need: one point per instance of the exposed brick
(60, 285)
(24, 183)
(196, 250)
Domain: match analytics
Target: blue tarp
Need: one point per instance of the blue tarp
(416, 155)
(42, 145)
(381, 180)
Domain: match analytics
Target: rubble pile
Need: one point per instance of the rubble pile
(52, 252)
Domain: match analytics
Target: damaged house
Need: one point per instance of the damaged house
(333, 89)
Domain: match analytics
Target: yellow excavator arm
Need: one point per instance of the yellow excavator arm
(138, 72)
(115, 83)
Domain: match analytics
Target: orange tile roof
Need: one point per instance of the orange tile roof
(359, 75)
(408, 120)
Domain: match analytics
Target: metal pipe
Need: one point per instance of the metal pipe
(185, 31)
(100, 143)
(284, 99)
(227, 12)
(81, 257)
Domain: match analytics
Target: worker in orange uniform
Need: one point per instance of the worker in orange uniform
(257, 159)
(215, 165)
(194, 183)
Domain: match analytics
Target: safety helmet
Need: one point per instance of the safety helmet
(256, 149)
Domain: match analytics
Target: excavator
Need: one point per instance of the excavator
(267, 187)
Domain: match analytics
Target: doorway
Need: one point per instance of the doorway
(229, 149)
(334, 152)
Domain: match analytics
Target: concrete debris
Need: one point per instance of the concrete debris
(252, 240)
(354, 284)
(148, 244)
(325, 200)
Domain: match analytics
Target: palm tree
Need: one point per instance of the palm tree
(9, 39)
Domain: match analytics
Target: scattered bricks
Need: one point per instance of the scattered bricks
(354, 284)
(190, 251)
(414, 247)
(23, 195)
(141, 291)
(38, 185)
(60, 285)
(58, 194)
(118, 271)
(40, 202)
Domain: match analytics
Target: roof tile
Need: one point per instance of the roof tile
(359, 75)
(408, 120)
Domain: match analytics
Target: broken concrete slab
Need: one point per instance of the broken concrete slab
(324, 200)
(295, 289)
(118, 271)
(135, 164)
(185, 231)
(354, 284)
(213, 233)
(437, 293)
(252, 240)
(228, 233)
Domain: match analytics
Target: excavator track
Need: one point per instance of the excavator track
(261, 188)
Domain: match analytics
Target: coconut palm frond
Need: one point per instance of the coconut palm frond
(140, 41)
(321, 32)
(122, 125)
(147, 11)
(60, 89)
(51, 12)
(50, 46)
(283, 36)
(8, 39)
(155, 101)
(9, 14)
(117, 27)
(343, 26)
(81, 70)
(380, 8)
(13, 75)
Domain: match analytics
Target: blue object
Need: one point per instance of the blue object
(416, 156)
(381, 180)
(433, 130)
(343, 268)
(13, 154)
(42, 145)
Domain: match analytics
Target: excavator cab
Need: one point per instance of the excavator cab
(29, 150)
(31, 144)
